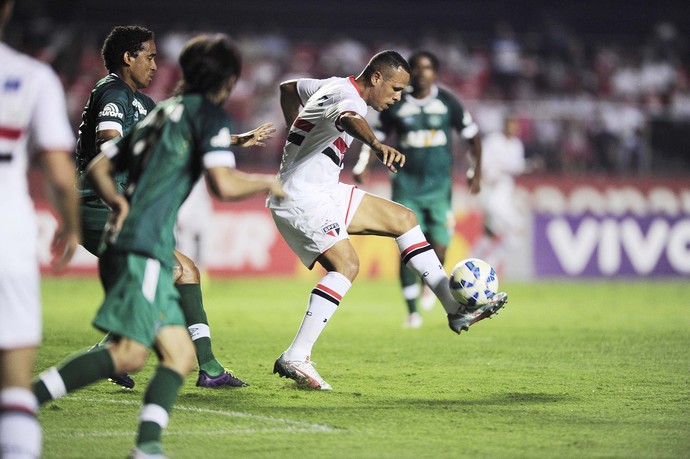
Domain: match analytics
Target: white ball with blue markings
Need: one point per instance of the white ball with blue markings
(473, 282)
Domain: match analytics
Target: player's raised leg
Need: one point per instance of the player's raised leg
(419, 256)
(121, 355)
(377, 215)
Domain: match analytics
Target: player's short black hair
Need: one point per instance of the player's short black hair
(207, 62)
(424, 53)
(384, 62)
(123, 39)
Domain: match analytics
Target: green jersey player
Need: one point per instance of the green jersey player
(164, 155)
(423, 122)
(111, 111)
(115, 105)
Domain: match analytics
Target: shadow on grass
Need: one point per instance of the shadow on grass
(510, 398)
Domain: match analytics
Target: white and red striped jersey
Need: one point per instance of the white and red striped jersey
(316, 144)
(33, 117)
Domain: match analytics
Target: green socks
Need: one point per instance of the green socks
(159, 398)
(82, 370)
(197, 323)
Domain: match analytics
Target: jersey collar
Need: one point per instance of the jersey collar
(351, 78)
(413, 100)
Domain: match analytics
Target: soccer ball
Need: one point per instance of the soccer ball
(473, 282)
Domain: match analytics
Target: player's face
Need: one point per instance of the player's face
(423, 74)
(512, 128)
(388, 89)
(143, 66)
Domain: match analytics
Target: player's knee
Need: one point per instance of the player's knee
(406, 220)
(350, 269)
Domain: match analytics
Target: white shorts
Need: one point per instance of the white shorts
(312, 225)
(20, 301)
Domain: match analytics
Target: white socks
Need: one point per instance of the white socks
(20, 432)
(323, 302)
(197, 331)
(418, 255)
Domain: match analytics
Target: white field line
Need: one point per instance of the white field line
(278, 424)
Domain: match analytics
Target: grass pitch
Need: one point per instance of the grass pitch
(568, 369)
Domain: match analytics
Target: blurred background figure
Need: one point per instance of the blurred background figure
(192, 225)
(503, 158)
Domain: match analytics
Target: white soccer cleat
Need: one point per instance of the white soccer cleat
(463, 319)
(302, 371)
(136, 453)
(413, 321)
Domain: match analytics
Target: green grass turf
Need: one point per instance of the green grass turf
(568, 369)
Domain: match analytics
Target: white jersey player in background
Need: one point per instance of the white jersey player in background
(32, 112)
(319, 214)
(503, 160)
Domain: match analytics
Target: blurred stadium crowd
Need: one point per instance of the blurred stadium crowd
(586, 104)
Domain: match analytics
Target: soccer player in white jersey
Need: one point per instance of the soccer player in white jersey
(32, 107)
(320, 213)
(504, 155)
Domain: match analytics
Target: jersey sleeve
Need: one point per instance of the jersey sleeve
(461, 119)
(111, 109)
(306, 87)
(115, 149)
(50, 126)
(215, 141)
(346, 101)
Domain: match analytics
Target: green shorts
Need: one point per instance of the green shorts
(140, 297)
(436, 220)
(93, 214)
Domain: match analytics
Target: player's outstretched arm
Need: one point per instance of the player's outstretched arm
(58, 169)
(355, 125)
(474, 173)
(232, 185)
(255, 137)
